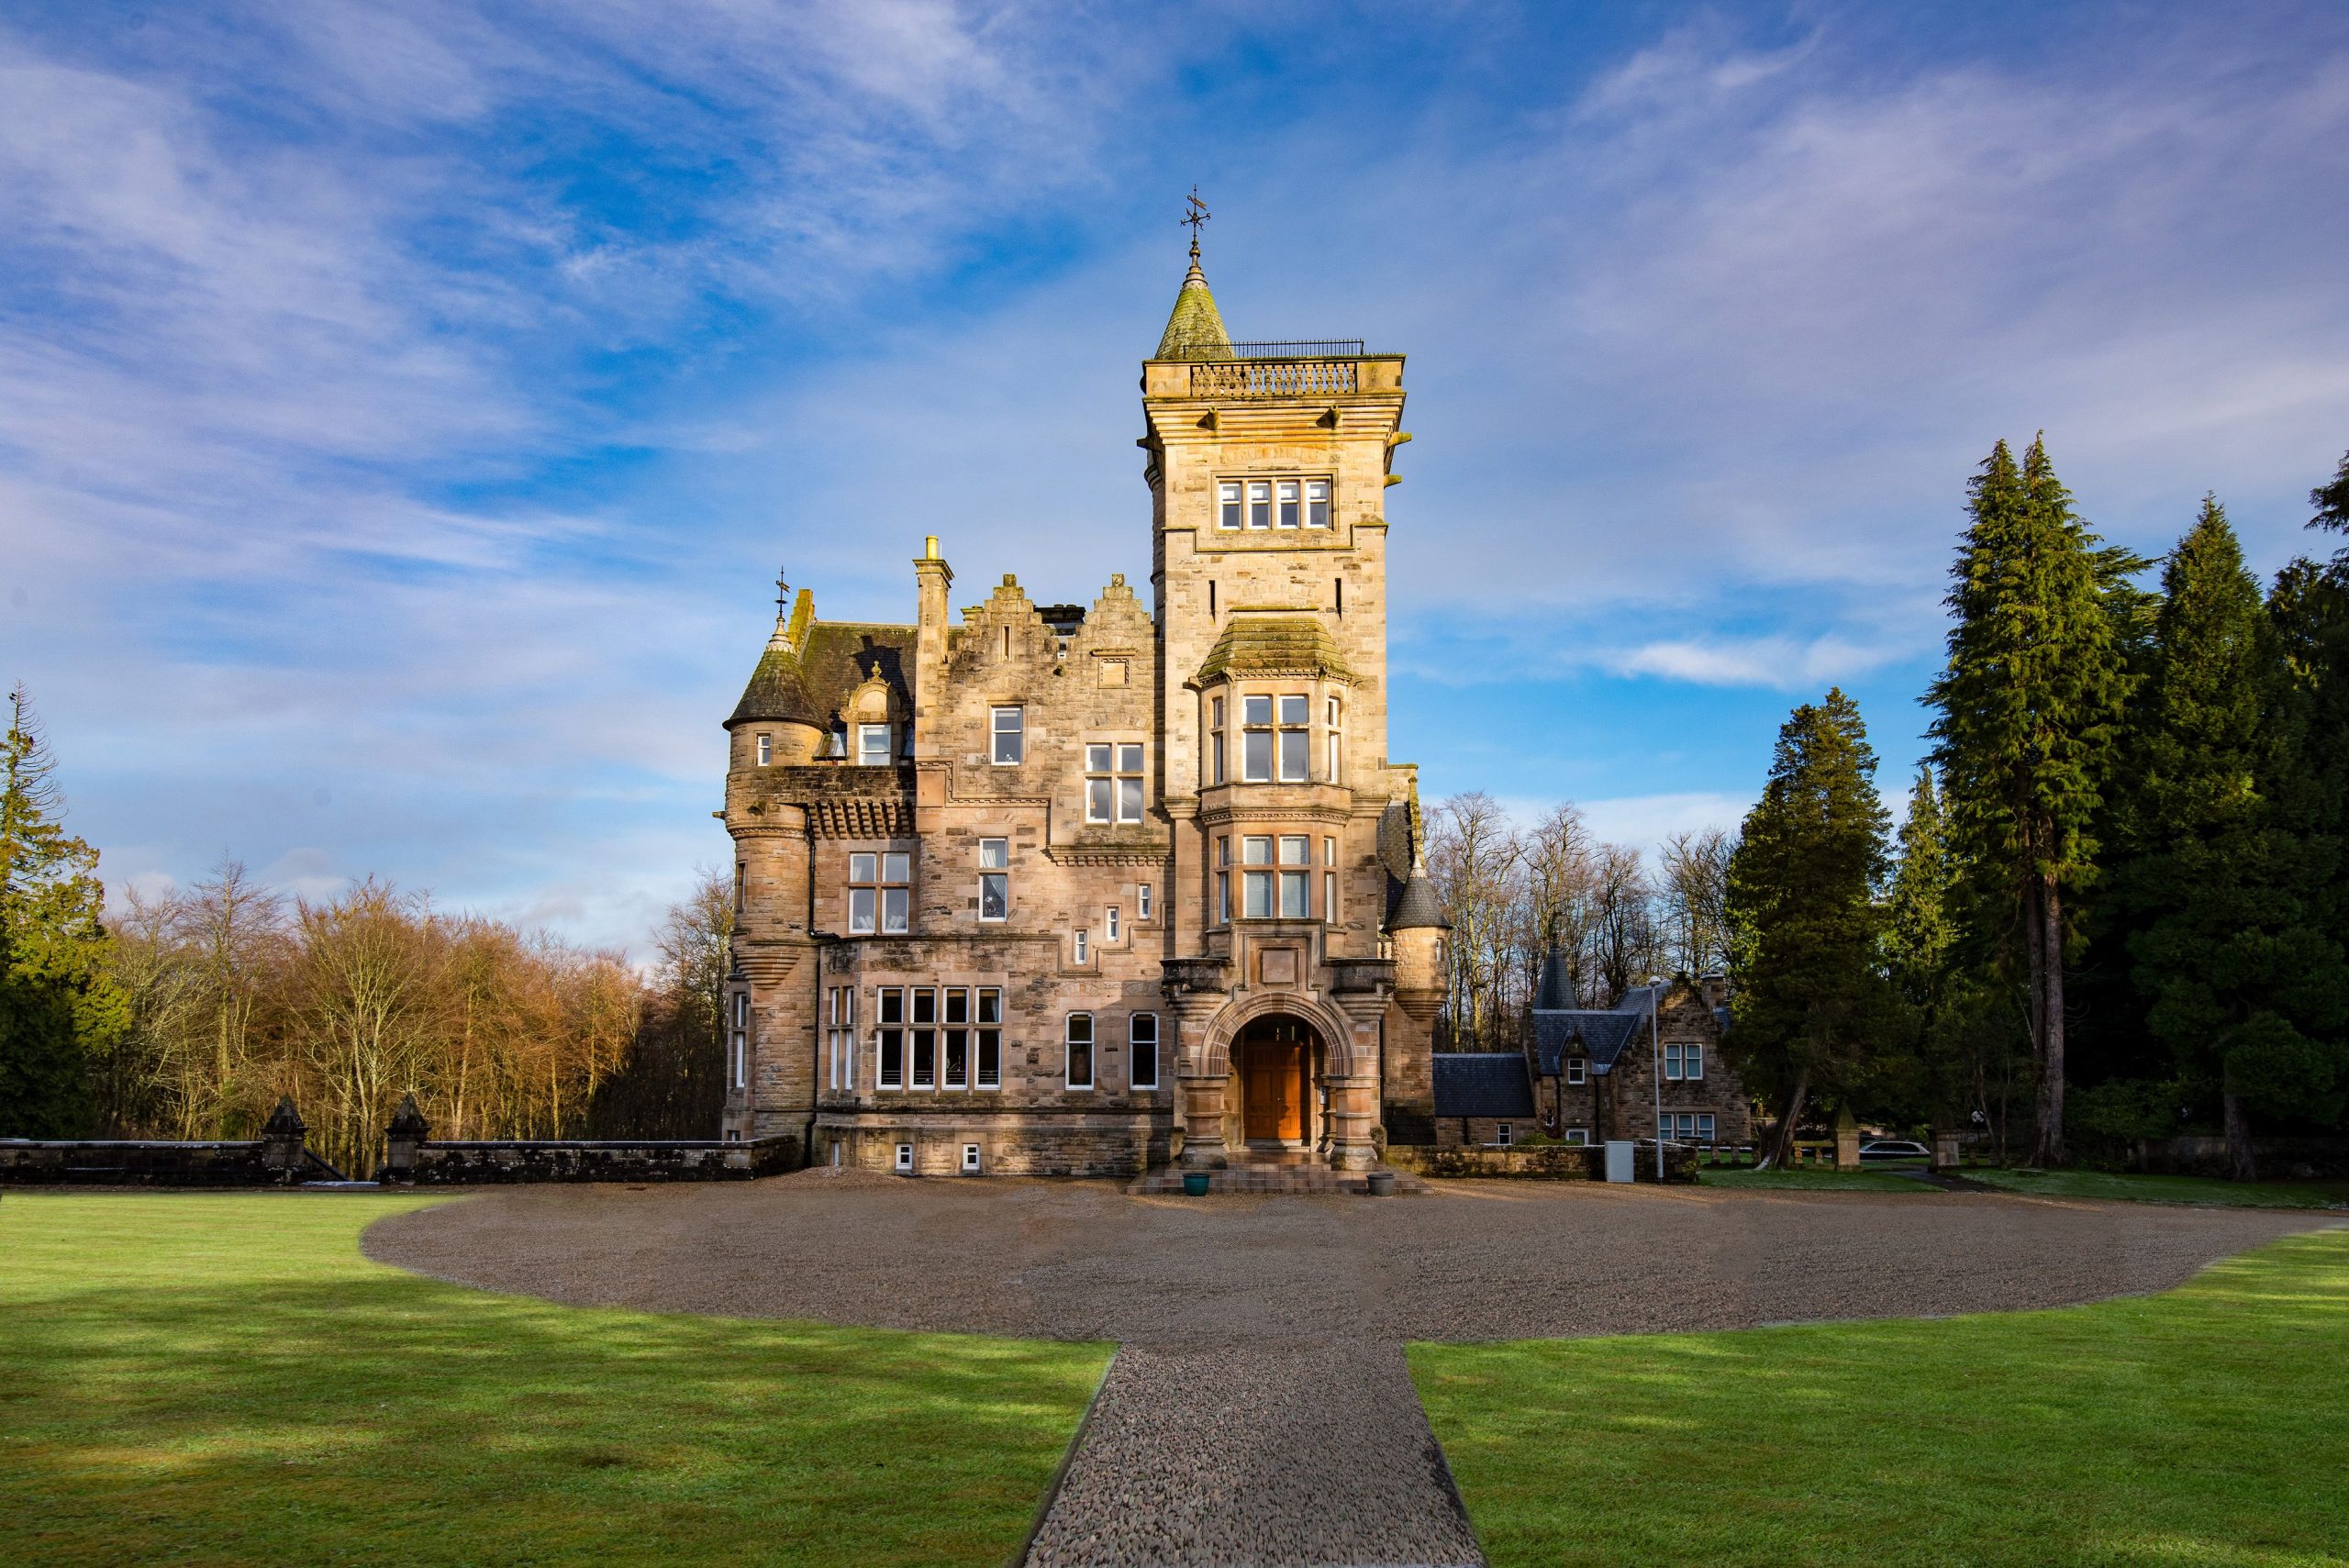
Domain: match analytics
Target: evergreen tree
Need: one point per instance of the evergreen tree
(57, 1000)
(2027, 704)
(2234, 972)
(1810, 1004)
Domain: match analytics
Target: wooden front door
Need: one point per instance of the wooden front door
(1275, 1090)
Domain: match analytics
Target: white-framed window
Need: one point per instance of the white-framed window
(922, 1039)
(995, 879)
(1256, 886)
(1684, 1061)
(1329, 880)
(1267, 504)
(1142, 902)
(1500, 1135)
(1080, 1051)
(1109, 923)
(889, 1038)
(1112, 783)
(987, 1037)
(1335, 742)
(872, 745)
(766, 750)
(1577, 1070)
(970, 1159)
(1079, 946)
(954, 1037)
(1577, 1135)
(1215, 741)
(1297, 739)
(839, 1025)
(879, 896)
(904, 1159)
(1704, 1126)
(1297, 898)
(1008, 729)
(1142, 1039)
(1256, 739)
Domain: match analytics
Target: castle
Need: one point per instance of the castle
(1058, 890)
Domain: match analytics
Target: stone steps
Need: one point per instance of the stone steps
(1270, 1178)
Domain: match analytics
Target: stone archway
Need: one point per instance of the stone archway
(1335, 1085)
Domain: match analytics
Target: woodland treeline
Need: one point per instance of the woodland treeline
(2117, 906)
(1513, 894)
(186, 1016)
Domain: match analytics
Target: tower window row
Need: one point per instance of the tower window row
(1270, 504)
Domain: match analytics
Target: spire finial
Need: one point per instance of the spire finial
(782, 591)
(1197, 216)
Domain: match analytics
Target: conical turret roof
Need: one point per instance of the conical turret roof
(778, 691)
(1195, 331)
(1420, 909)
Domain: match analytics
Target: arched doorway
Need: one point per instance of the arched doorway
(1277, 1060)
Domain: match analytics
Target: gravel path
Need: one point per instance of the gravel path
(1258, 1412)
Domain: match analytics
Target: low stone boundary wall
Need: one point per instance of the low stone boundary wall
(487, 1162)
(1552, 1161)
(116, 1162)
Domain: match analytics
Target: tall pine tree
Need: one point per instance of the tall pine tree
(58, 1001)
(1812, 1004)
(2239, 981)
(2026, 728)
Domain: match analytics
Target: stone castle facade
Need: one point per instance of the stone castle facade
(1075, 890)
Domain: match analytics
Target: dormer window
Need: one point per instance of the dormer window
(1577, 1070)
(873, 745)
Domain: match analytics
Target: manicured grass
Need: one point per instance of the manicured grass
(223, 1378)
(2167, 1189)
(1809, 1178)
(2206, 1425)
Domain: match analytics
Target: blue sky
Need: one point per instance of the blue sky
(404, 406)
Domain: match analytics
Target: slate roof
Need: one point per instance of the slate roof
(1482, 1083)
(1418, 909)
(840, 654)
(1599, 1034)
(1195, 329)
(1554, 995)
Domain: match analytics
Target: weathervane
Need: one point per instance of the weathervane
(1196, 216)
(781, 590)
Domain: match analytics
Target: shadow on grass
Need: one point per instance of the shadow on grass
(268, 1394)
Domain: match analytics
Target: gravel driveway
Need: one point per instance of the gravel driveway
(1258, 1412)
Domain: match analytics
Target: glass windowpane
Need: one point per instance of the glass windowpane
(1096, 759)
(1255, 710)
(1129, 800)
(1294, 744)
(896, 868)
(896, 904)
(1293, 710)
(1129, 759)
(859, 910)
(995, 896)
(995, 853)
(1256, 851)
(1096, 800)
(1259, 894)
(861, 867)
(1293, 895)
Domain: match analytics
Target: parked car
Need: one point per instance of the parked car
(1894, 1148)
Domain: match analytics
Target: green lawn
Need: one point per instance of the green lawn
(2167, 1189)
(2207, 1425)
(1808, 1179)
(223, 1378)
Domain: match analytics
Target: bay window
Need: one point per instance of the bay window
(1256, 886)
(1256, 739)
(1297, 740)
